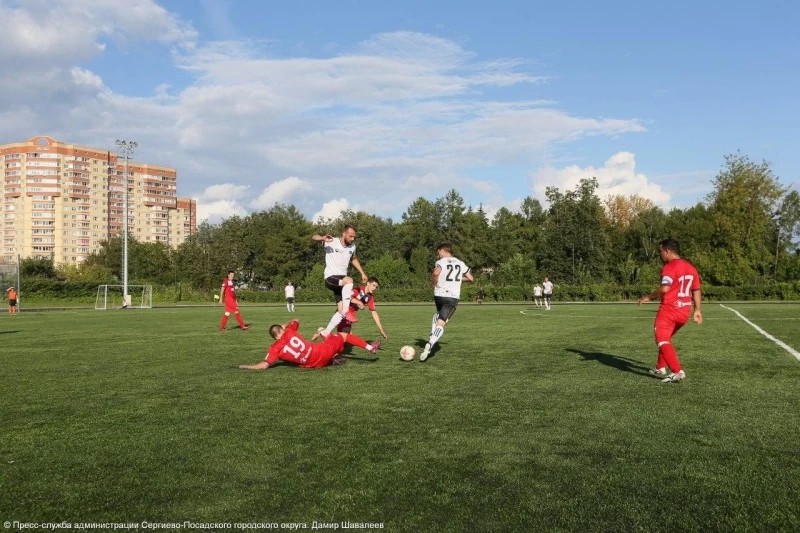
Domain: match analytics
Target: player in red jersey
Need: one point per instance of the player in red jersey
(227, 296)
(362, 297)
(679, 291)
(293, 348)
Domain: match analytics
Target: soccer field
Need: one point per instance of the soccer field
(522, 420)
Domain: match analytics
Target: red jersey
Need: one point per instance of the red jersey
(682, 278)
(366, 298)
(228, 291)
(295, 349)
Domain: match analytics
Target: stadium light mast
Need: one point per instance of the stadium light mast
(126, 149)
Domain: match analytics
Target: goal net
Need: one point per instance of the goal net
(9, 277)
(111, 297)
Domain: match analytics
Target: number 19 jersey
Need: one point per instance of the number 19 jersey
(451, 272)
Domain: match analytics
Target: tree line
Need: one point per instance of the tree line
(744, 233)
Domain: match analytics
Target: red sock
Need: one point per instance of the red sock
(667, 353)
(239, 319)
(223, 322)
(355, 340)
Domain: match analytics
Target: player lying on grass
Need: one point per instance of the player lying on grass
(293, 348)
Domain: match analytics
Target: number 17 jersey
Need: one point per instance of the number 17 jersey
(451, 272)
(682, 278)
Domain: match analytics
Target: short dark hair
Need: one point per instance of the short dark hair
(671, 245)
(373, 279)
(445, 246)
(231, 271)
(274, 329)
(347, 227)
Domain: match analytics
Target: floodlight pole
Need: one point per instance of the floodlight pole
(126, 148)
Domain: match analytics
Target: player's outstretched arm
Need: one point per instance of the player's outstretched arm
(377, 320)
(261, 365)
(658, 293)
(356, 263)
(320, 238)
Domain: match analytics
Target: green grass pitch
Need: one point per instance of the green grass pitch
(522, 420)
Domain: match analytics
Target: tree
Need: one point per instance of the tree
(621, 210)
(742, 206)
(43, 268)
(391, 270)
(575, 240)
(787, 222)
(420, 227)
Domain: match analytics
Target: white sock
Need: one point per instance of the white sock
(335, 319)
(437, 333)
(434, 321)
(347, 292)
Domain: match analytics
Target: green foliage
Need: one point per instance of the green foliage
(391, 270)
(746, 234)
(37, 267)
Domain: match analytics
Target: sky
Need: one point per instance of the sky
(350, 104)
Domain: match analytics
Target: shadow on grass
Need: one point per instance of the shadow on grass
(420, 344)
(614, 361)
(12, 331)
(353, 355)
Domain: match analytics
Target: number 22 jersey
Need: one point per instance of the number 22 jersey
(451, 272)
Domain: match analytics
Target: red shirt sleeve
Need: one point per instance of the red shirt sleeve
(371, 303)
(272, 353)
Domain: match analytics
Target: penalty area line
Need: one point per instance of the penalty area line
(779, 342)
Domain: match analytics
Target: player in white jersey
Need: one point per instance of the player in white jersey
(447, 276)
(339, 253)
(547, 292)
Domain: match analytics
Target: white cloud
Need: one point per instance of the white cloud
(399, 116)
(281, 192)
(617, 176)
(219, 202)
(331, 210)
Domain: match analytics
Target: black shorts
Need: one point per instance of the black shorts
(445, 307)
(289, 300)
(12, 303)
(547, 296)
(332, 283)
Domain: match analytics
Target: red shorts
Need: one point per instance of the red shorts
(324, 352)
(231, 306)
(668, 323)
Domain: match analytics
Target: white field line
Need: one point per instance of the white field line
(779, 342)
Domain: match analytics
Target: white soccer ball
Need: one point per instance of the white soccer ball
(407, 353)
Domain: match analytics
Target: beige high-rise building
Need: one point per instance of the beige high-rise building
(61, 200)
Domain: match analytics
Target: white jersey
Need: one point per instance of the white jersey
(452, 271)
(548, 287)
(537, 291)
(289, 291)
(337, 257)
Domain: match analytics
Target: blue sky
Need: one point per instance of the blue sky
(368, 105)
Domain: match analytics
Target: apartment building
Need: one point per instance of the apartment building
(61, 200)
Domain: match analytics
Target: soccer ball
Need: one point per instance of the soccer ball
(407, 353)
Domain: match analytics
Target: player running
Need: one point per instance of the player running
(447, 276)
(678, 292)
(362, 297)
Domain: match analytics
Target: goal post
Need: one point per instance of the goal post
(111, 297)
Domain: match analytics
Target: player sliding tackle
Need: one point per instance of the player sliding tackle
(293, 348)
(339, 253)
